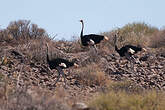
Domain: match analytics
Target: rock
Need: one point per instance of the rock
(80, 106)
(159, 67)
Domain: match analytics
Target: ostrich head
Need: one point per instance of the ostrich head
(81, 20)
(142, 48)
(75, 62)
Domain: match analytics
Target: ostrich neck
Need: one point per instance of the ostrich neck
(81, 35)
(116, 48)
(47, 55)
(116, 45)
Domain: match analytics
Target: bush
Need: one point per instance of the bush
(32, 99)
(134, 33)
(127, 96)
(158, 39)
(121, 100)
(128, 86)
(24, 29)
(21, 30)
(91, 75)
(138, 29)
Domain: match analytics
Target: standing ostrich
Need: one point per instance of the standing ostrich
(91, 39)
(128, 51)
(59, 64)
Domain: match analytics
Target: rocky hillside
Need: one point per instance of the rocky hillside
(26, 80)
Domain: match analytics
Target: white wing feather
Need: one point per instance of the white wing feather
(91, 42)
(63, 65)
(131, 51)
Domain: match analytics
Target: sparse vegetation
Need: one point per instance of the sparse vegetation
(127, 86)
(125, 95)
(158, 39)
(91, 75)
(23, 45)
(32, 99)
(121, 100)
(135, 33)
(21, 31)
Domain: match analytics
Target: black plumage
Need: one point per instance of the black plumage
(59, 64)
(90, 39)
(127, 51)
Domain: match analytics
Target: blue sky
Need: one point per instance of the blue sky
(62, 16)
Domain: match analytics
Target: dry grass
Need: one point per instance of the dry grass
(121, 100)
(91, 75)
(34, 98)
(20, 32)
(123, 96)
(125, 85)
(70, 46)
(135, 34)
(34, 50)
(158, 39)
(120, 95)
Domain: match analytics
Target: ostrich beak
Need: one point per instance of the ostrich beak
(76, 65)
(106, 38)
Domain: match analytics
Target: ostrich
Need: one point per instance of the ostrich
(59, 64)
(91, 39)
(128, 51)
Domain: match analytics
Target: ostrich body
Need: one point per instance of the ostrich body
(59, 64)
(91, 39)
(128, 51)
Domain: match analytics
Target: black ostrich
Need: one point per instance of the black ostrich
(59, 64)
(128, 51)
(91, 39)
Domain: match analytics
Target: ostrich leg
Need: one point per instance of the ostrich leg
(61, 72)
